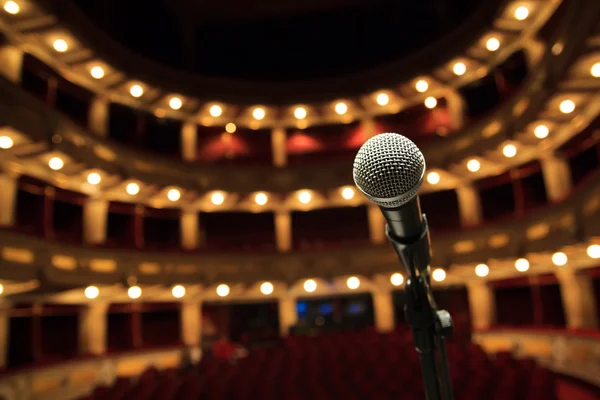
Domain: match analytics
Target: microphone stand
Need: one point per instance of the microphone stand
(429, 325)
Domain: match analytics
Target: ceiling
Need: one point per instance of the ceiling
(274, 40)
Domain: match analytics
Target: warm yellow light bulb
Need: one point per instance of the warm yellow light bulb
(341, 108)
(541, 131)
(509, 151)
(134, 292)
(215, 111)
(56, 163)
(222, 290)
(173, 194)
(97, 72)
(595, 70)
(522, 264)
(230, 127)
(94, 178)
(521, 13)
(132, 188)
(430, 102)
(353, 283)
(266, 288)
(91, 292)
(175, 103)
(433, 178)
(217, 198)
(396, 279)
(492, 44)
(559, 259)
(310, 285)
(12, 7)
(482, 270)
(60, 45)
(304, 197)
(593, 251)
(300, 113)
(136, 91)
(258, 113)
(422, 86)
(261, 199)
(178, 291)
(6, 142)
(348, 193)
(473, 165)
(438, 275)
(382, 99)
(459, 68)
(567, 106)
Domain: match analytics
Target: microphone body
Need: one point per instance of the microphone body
(405, 223)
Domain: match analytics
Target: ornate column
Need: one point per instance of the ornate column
(557, 177)
(93, 325)
(283, 231)
(48, 212)
(138, 226)
(383, 308)
(534, 51)
(4, 333)
(11, 62)
(95, 221)
(191, 323)
(136, 325)
(99, 116)
(369, 128)
(288, 315)
(36, 332)
(8, 196)
(577, 292)
(469, 204)
(189, 141)
(376, 224)
(482, 305)
(456, 109)
(189, 229)
(278, 147)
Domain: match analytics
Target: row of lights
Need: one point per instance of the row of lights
(97, 72)
(12, 7)
(223, 290)
(136, 90)
(217, 198)
(473, 165)
(341, 108)
(509, 150)
(559, 259)
(259, 113)
(310, 285)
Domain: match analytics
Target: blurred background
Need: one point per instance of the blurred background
(178, 218)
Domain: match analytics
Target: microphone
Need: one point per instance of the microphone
(389, 170)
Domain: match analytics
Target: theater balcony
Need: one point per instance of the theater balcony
(154, 199)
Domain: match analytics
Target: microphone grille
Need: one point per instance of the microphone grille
(389, 170)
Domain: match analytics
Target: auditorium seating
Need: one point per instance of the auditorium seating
(349, 366)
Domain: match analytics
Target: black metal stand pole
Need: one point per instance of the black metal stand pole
(429, 325)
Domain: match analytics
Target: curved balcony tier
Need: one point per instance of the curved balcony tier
(565, 226)
(40, 131)
(76, 63)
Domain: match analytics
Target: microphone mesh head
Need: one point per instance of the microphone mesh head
(389, 170)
